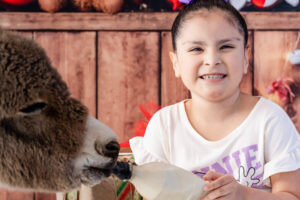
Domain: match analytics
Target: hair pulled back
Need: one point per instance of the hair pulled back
(209, 5)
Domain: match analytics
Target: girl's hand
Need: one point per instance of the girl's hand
(222, 187)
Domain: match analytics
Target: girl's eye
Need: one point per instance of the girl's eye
(197, 49)
(226, 47)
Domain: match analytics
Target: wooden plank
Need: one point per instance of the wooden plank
(247, 82)
(272, 20)
(128, 75)
(125, 150)
(45, 196)
(172, 88)
(131, 21)
(3, 194)
(270, 51)
(73, 54)
(14, 195)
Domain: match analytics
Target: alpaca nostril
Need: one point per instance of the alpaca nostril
(112, 149)
(113, 146)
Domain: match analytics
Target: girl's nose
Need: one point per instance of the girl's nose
(212, 58)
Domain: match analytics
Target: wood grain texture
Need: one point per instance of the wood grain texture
(20, 196)
(172, 88)
(15, 195)
(73, 55)
(131, 21)
(45, 196)
(3, 194)
(128, 75)
(270, 50)
(247, 82)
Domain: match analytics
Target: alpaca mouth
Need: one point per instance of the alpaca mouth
(106, 172)
(107, 168)
(99, 172)
(110, 164)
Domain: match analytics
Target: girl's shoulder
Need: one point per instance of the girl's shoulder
(266, 109)
(169, 113)
(172, 109)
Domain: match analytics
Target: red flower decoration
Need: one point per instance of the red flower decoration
(141, 125)
(281, 87)
(264, 3)
(176, 4)
(17, 2)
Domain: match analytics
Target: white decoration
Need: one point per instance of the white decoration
(238, 4)
(293, 3)
(264, 4)
(294, 57)
(269, 3)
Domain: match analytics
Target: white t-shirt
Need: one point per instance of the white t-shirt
(266, 143)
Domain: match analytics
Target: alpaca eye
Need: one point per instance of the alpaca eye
(33, 108)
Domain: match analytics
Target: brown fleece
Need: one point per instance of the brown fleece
(36, 150)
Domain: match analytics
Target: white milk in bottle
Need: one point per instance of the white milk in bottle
(161, 181)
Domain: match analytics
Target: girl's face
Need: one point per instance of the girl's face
(210, 58)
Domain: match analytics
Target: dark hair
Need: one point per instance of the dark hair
(208, 4)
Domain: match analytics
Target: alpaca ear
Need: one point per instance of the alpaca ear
(174, 61)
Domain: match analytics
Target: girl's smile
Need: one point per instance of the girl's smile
(213, 77)
(211, 61)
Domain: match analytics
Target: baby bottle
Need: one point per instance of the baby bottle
(161, 181)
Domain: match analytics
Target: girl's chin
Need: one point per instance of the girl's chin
(214, 93)
(212, 97)
(220, 95)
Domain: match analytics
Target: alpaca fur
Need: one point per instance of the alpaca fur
(48, 142)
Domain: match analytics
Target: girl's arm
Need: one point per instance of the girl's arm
(285, 186)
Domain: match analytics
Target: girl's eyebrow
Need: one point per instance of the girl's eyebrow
(228, 40)
(219, 42)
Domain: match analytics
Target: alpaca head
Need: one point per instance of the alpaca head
(48, 142)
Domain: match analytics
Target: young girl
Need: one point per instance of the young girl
(246, 146)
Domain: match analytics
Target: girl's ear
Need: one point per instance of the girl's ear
(246, 61)
(173, 58)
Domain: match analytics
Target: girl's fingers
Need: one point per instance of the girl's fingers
(211, 176)
(220, 193)
(223, 180)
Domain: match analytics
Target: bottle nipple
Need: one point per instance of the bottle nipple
(123, 170)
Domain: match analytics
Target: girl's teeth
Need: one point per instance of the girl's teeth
(213, 77)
